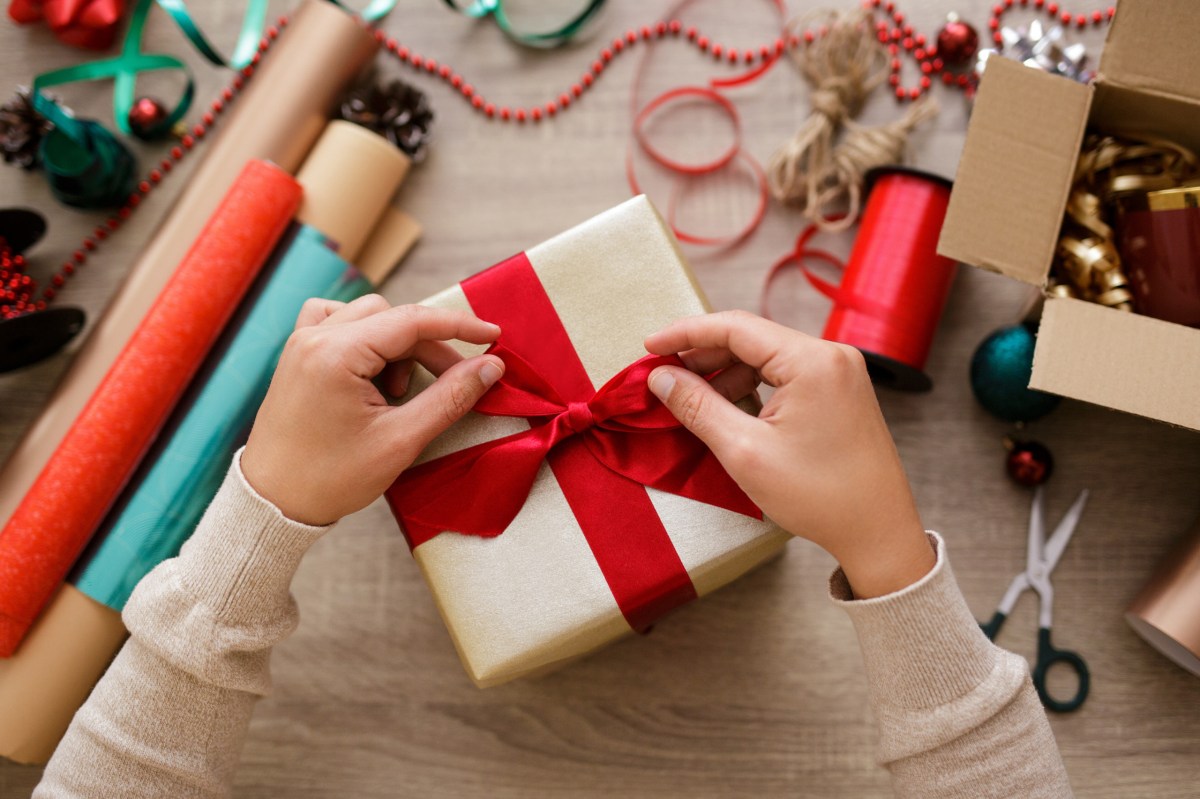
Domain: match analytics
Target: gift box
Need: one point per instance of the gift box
(1009, 198)
(570, 509)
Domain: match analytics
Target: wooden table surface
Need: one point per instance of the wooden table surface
(758, 690)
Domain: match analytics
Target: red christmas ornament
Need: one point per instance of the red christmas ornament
(1029, 463)
(957, 41)
(146, 115)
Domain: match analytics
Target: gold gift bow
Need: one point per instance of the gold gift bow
(1087, 264)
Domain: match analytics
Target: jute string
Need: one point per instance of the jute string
(843, 67)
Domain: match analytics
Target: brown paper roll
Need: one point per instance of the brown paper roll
(358, 172)
(1167, 611)
(51, 675)
(277, 118)
(391, 240)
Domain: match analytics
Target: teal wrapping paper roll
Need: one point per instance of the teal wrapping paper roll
(166, 505)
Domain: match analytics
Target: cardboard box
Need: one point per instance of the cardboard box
(1008, 202)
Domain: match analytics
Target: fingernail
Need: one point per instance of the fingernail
(661, 382)
(489, 373)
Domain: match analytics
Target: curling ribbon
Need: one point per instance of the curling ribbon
(686, 172)
(603, 446)
(85, 164)
(109, 437)
(894, 285)
(479, 9)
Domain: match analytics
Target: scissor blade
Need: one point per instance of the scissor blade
(1034, 556)
(1062, 534)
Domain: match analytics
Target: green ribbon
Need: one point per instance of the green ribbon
(85, 164)
(478, 9)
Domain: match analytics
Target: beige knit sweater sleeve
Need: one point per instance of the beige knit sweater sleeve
(958, 717)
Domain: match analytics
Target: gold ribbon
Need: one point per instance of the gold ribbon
(1110, 168)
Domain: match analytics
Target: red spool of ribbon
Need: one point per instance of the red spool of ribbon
(895, 285)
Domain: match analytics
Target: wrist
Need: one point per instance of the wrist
(889, 562)
(262, 478)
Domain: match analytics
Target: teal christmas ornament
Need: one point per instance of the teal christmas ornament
(1000, 371)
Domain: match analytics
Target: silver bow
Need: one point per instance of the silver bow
(1040, 48)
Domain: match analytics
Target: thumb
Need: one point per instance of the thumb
(430, 413)
(700, 408)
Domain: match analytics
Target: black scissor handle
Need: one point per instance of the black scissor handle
(990, 628)
(1047, 656)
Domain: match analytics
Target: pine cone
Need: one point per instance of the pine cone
(21, 130)
(397, 111)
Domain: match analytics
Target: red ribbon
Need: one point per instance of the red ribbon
(90, 24)
(603, 446)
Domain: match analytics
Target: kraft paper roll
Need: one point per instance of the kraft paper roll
(277, 118)
(391, 240)
(165, 508)
(348, 181)
(49, 679)
(102, 448)
(1167, 611)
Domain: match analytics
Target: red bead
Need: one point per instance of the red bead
(926, 82)
(535, 113)
(882, 37)
(416, 59)
(919, 53)
(938, 64)
(68, 269)
(403, 53)
(272, 32)
(564, 99)
(49, 294)
(1097, 17)
(631, 36)
(993, 25)
(898, 18)
(587, 80)
(238, 82)
(692, 33)
(893, 49)
(227, 94)
(430, 65)
(477, 102)
(505, 113)
(1052, 9)
(702, 42)
(958, 42)
(964, 80)
(661, 29)
(997, 10)
(155, 176)
(247, 71)
(551, 108)
(79, 256)
(895, 65)
(926, 68)
(123, 213)
(134, 200)
(998, 39)
(218, 106)
(618, 44)
(606, 55)
(165, 165)
(914, 93)
(444, 70)
(58, 281)
(89, 244)
(520, 114)
(675, 26)
(1081, 20)
(576, 89)
(900, 93)
(894, 80)
(1111, 12)
(188, 142)
(716, 50)
(468, 90)
(647, 32)
(101, 233)
(456, 81)
(144, 187)
(198, 131)
(1066, 17)
(779, 47)
(920, 37)
(908, 43)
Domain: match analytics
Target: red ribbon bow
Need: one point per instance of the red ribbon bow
(604, 446)
(90, 24)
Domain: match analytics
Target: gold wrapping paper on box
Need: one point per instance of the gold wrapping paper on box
(534, 597)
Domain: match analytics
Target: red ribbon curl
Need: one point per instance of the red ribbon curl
(88, 24)
(604, 447)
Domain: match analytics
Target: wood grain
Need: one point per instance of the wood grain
(758, 690)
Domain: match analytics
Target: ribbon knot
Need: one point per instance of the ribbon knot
(579, 416)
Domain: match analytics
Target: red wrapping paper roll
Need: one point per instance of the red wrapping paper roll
(103, 447)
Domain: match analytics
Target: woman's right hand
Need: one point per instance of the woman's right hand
(819, 459)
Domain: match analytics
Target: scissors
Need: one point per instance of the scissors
(1042, 557)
